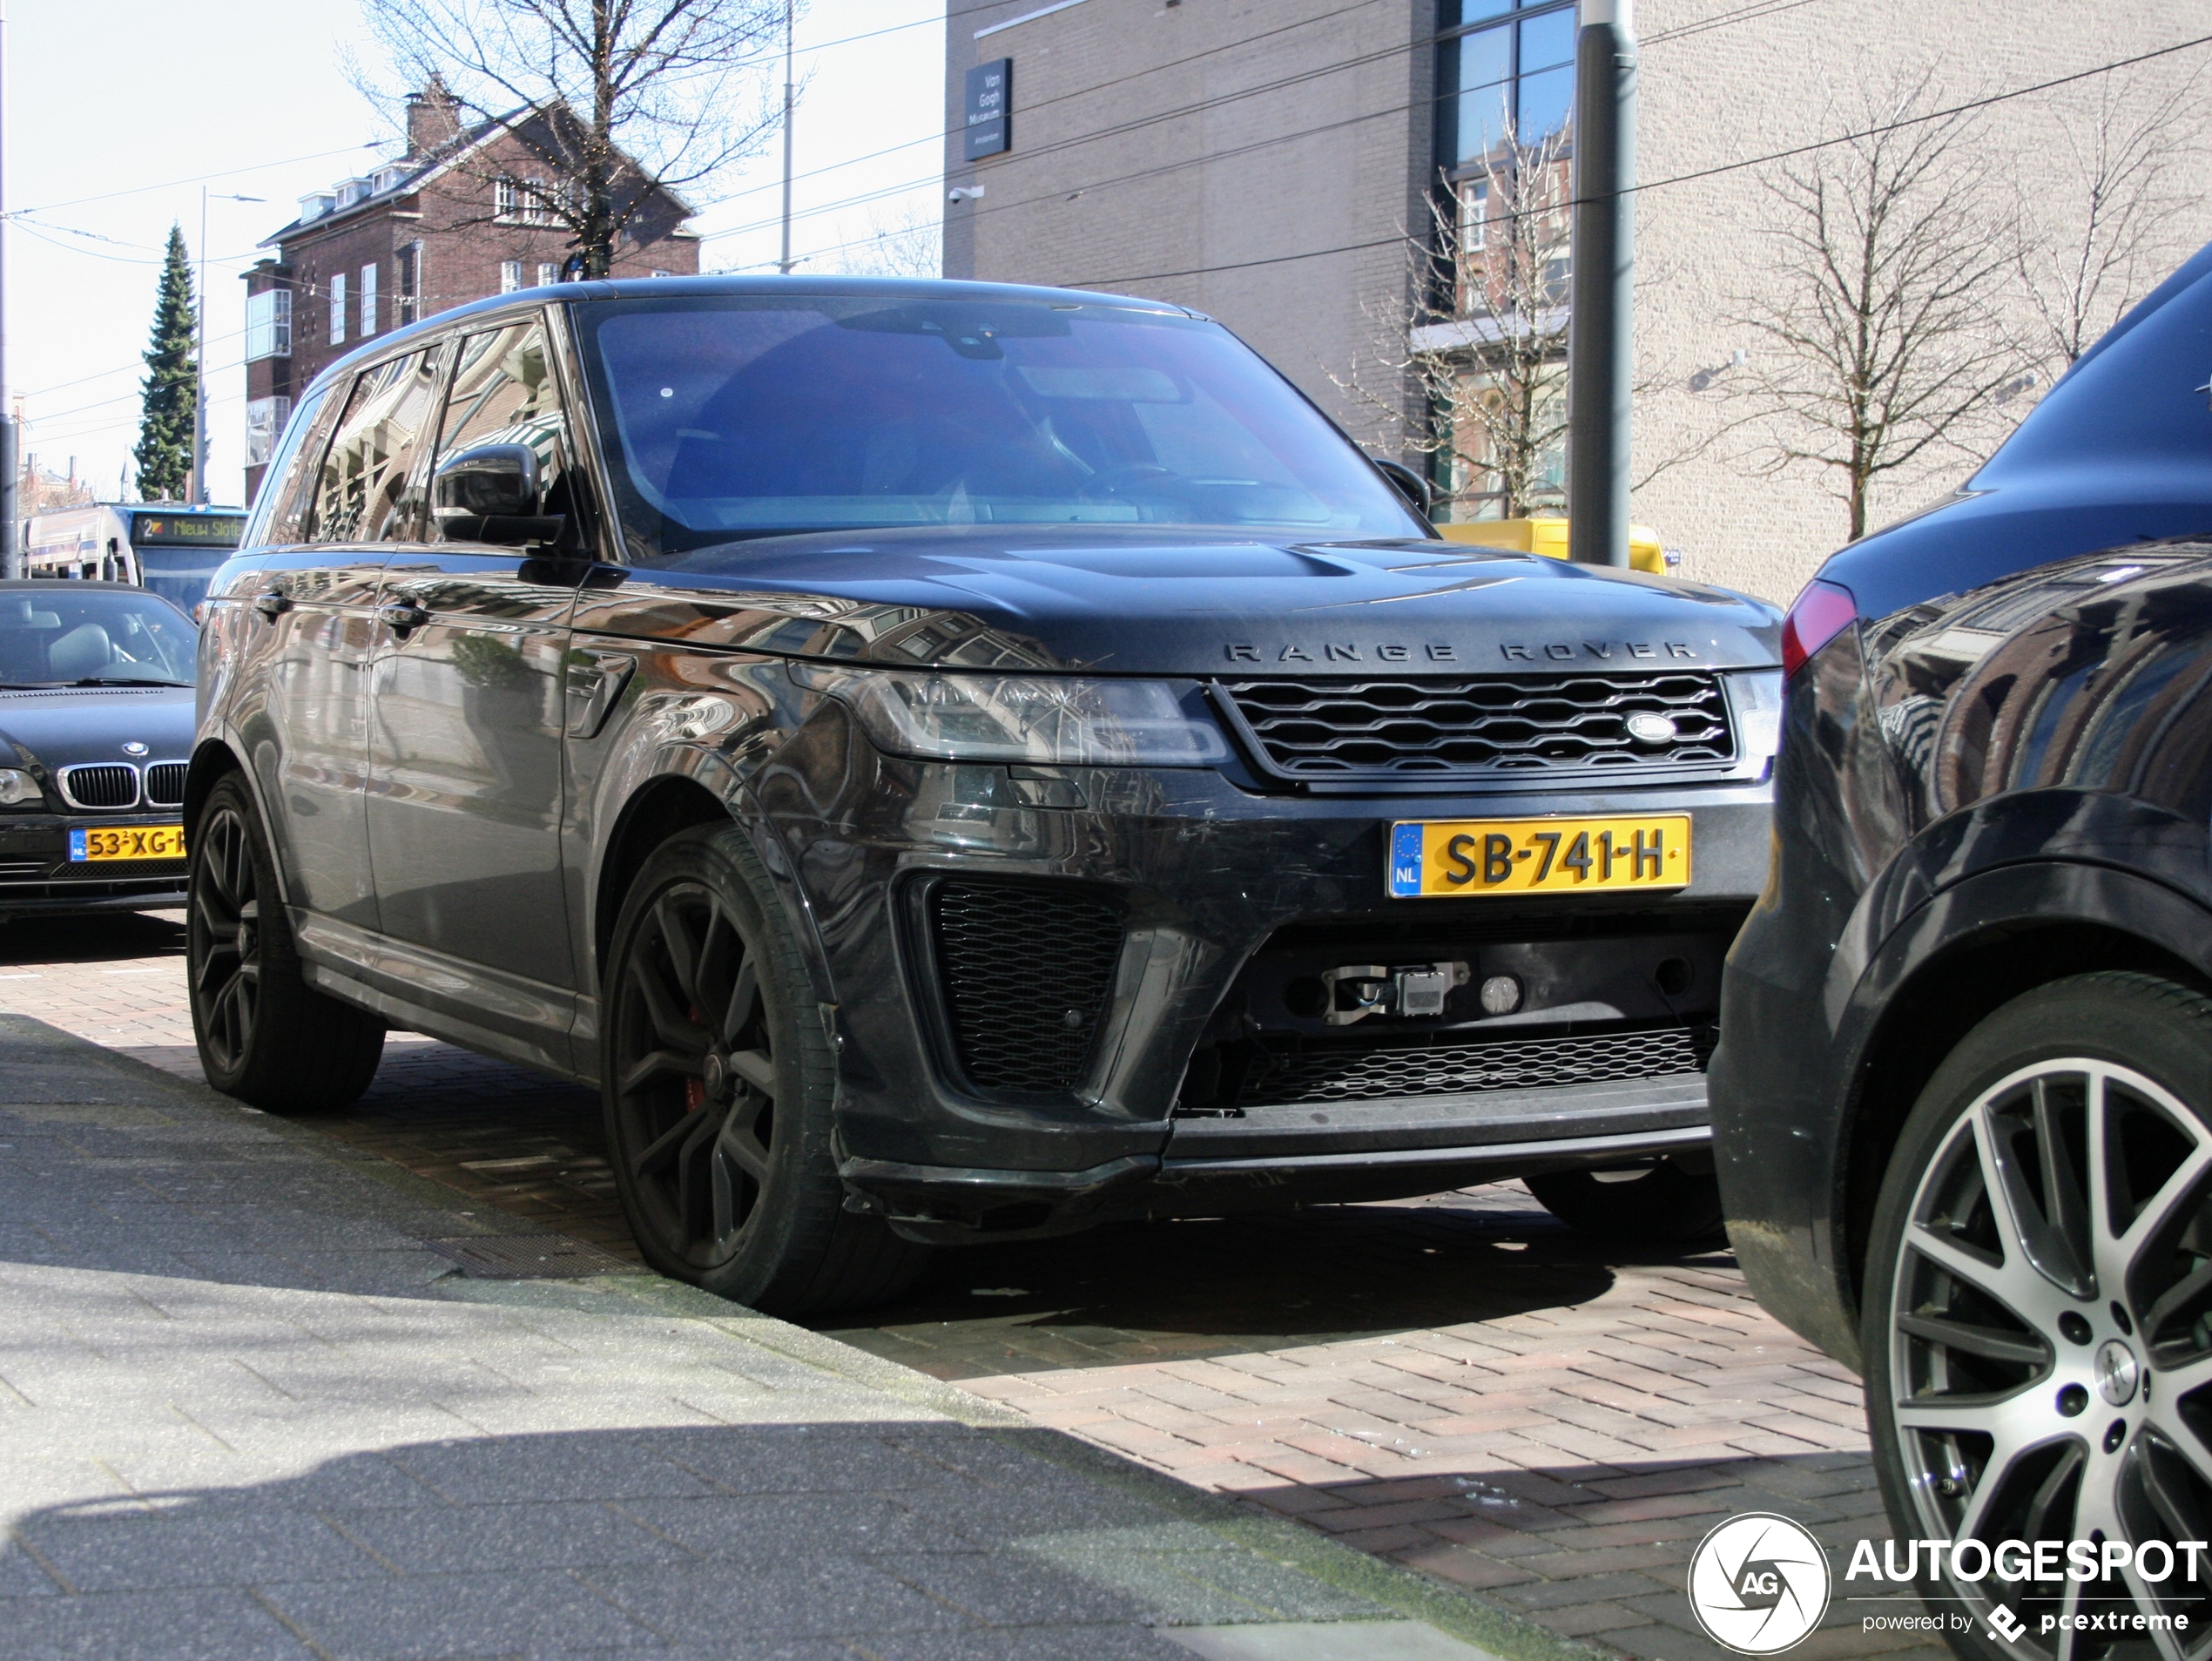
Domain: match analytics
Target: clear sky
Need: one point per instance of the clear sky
(132, 102)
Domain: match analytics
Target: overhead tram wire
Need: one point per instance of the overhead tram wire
(1742, 14)
(1702, 172)
(1748, 13)
(1042, 103)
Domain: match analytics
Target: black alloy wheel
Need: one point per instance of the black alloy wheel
(696, 1095)
(718, 1077)
(2038, 1320)
(265, 1035)
(224, 929)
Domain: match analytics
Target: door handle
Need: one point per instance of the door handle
(272, 604)
(402, 616)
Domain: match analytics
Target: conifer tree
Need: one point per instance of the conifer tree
(164, 453)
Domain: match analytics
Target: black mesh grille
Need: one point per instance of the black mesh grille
(1027, 972)
(165, 784)
(104, 784)
(1348, 1073)
(1407, 729)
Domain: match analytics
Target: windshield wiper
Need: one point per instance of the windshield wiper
(127, 680)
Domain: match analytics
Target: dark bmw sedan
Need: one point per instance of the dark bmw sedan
(952, 762)
(95, 728)
(1963, 1103)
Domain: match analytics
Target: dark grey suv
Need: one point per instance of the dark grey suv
(953, 761)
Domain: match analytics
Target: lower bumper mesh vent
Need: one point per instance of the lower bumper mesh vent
(1350, 1073)
(1027, 972)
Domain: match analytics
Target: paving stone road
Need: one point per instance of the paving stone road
(1459, 1385)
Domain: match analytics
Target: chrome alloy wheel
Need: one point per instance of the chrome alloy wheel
(694, 1094)
(2050, 1340)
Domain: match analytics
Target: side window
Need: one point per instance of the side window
(364, 490)
(287, 488)
(503, 392)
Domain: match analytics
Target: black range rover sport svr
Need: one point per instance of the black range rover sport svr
(952, 761)
(1963, 1103)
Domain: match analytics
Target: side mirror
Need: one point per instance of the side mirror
(1411, 485)
(491, 494)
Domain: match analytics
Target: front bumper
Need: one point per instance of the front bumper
(38, 878)
(1212, 884)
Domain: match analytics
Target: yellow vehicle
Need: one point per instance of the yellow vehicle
(1547, 536)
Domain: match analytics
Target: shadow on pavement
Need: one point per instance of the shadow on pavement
(98, 938)
(911, 1539)
(1195, 1288)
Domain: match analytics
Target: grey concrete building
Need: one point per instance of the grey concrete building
(1281, 164)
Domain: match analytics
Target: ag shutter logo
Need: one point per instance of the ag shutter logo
(1759, 1583)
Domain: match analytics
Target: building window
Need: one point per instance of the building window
(549, 273)
(663, 274)
(268, 325)
(410, 294)
(1506, 71)
(338, 309)
(510, 275)
(524, 201)
(265, 419)
(1475, 215)
(368, 301)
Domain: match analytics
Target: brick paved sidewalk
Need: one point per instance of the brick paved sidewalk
(1461, 1385)
(247, 1409)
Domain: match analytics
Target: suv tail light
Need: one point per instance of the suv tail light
(1818, 616)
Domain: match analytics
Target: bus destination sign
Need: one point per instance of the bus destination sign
(187, 530)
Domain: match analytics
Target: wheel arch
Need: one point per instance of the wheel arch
(1972, 949)
(659, 808)
(210, 762)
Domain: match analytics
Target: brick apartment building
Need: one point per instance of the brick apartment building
(457, 218)
(1266, 161)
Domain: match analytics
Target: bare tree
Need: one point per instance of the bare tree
(2100, 225)
(623, 102)
(1880, 343)
(1469, 357)
(906, 243)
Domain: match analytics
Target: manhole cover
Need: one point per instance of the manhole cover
(529, 1257)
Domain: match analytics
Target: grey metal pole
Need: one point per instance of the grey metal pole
(10, 465)
(783, 265)
(1602, 344)
(197, 491)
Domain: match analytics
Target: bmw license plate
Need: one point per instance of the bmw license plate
(127, 842)
(1444, 859)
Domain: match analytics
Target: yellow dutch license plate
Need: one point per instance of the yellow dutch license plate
(1444, 859)
(128, 842)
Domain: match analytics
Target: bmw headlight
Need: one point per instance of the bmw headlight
(19, 789)
(1042, 719)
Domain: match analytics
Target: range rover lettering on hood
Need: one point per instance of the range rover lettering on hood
(1438, 652)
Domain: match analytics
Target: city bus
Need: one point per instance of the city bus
(165, 546)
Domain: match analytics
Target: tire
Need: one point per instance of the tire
(1660, 1204)
(265, 1035)
(2038, 1308)
(718, 1082)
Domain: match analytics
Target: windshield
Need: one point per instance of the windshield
(61, 635)
(745, 416)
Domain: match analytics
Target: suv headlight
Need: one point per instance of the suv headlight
(1047, 720)
(19, 789)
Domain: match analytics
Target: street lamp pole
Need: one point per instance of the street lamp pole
(1600, 352)
(198, 489)
(10, 466)
(783, 265)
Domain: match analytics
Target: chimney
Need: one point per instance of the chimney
(430, 118)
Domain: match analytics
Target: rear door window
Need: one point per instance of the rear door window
(367, 490)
